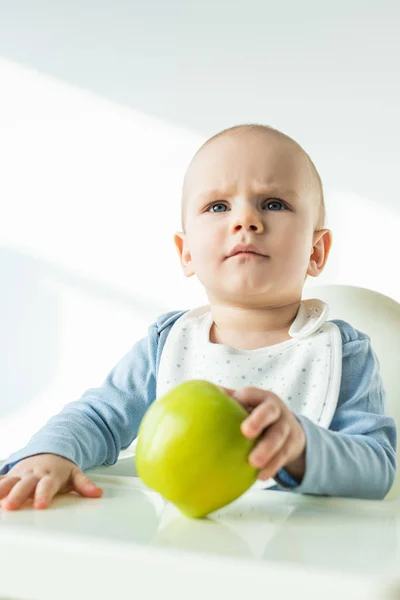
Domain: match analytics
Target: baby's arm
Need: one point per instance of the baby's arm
(86, 433)
(356, 457)
(91, 431)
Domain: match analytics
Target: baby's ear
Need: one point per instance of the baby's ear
(184, 253)
(322, 242)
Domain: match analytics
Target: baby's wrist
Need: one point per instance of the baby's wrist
(297, 467)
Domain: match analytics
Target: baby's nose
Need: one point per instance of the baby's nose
(249, 221)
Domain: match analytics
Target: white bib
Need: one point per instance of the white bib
(305, 371)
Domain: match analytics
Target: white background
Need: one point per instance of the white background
(103, 103)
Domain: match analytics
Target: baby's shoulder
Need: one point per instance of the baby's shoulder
(349, 333)
(166, 320)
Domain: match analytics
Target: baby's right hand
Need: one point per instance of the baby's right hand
(41, 477)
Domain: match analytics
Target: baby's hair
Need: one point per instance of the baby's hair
(259, 128)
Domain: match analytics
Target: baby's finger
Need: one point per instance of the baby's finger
(228, 391)
(7, 484)
(46, 489)
(84, 486)
(270, 444)
(277, 462)
(261, 417)
(253, 396)
(20, 493)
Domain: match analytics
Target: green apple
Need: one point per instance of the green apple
(191, 450)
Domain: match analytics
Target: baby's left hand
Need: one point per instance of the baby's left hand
(283, 442)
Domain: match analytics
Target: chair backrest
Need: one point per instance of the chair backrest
(379, 317)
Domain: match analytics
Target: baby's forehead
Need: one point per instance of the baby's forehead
(263, 160)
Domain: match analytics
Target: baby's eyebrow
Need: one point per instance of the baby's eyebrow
(271, 191)
(214, 193)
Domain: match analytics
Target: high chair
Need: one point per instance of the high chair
(379, 317)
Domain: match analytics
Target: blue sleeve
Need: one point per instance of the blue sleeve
(93, 430)
(356, 456)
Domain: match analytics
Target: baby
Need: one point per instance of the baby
(253, 230)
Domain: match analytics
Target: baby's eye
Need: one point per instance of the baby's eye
(275, 205)
(218, 207)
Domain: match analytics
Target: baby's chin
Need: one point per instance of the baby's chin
(245, 295)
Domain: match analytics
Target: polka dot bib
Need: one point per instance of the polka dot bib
(304, 371)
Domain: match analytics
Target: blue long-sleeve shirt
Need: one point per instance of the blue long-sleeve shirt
(355, 457)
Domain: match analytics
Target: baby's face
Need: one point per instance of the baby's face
(255, 192)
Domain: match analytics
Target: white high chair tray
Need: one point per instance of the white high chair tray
(133, 542)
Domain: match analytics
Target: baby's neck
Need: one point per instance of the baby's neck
(251, 328)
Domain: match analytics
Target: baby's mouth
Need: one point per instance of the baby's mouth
(246, 249)
(247, 252)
